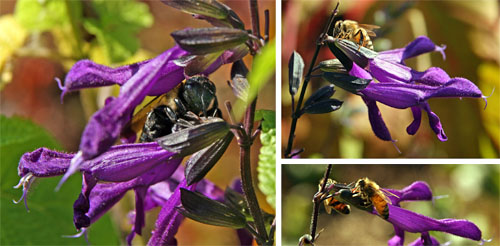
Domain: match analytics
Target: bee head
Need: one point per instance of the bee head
(199, 95)
(361, 183)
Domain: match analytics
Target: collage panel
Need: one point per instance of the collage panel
(375, 204)
(390, 79)
(137, 122)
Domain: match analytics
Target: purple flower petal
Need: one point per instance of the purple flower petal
(417, 47)
(417, 191)
(398, 239)
(169, 219)
(417, 223)
(387, 71)
(93, 202)
(434, 122)
(425, 240)
(417, 118)
(120, 163)
(398, 95)
(88, 74)
(105, 125)
(376, 121)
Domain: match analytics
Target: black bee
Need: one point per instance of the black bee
(195, 96)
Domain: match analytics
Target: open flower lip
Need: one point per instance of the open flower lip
(399, 86)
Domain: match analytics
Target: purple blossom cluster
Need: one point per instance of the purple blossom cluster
(109, 171)
(399, 86)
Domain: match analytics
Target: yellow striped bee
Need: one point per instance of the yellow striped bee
(353, 31)
(372, 194)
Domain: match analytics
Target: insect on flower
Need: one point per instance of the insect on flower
(372, 194)
(194, 97)
(353, 31)
(329, 201)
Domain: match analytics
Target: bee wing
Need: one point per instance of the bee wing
(388, 193)
(139, 119)
(369, 29)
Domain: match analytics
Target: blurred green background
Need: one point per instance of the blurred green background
(471, 192)
(469, 29)
(41, 40)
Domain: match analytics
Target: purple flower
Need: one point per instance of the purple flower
(152, 174)
(407, 221)
(398, 86)
(119, 164)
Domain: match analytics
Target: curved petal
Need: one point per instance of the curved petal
(417, 118)
(105, 126)
(376, 121)
(417, 47)
(434, 122)
(88, 74)
(44, 162)
(417, 191)
(417, 223)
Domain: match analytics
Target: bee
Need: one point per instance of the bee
(194, 96)
(353, 31)
(331, 202)
(372, 194)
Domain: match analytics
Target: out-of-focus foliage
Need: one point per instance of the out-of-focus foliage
(470, 31)
(41, 15)
(267, 156)
(116, 26)
(11, 38)
(50, 213)
(262, 71)
(30, 59)
(462, 192)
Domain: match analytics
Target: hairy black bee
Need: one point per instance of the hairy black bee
(195, 96)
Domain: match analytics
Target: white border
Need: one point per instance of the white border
(278, 36)
(389, 161)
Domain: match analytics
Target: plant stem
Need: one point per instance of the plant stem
(254, 11)
(245, 142)
(246, 172)
(317, 203)
(295, 115)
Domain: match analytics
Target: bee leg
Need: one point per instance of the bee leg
(361, 38)
(181, 108)
(172, 116)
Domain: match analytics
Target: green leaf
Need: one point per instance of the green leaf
(51, 213)
(268, 118)
(41, 15)
(267, 165)
(263, 68)
(116, 26)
